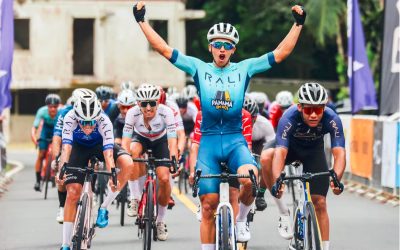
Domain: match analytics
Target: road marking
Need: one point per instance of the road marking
(185, 200)
(19, 167)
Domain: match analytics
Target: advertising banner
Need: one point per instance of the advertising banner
(362, 140)
(377, 151)
(389, 147)
(389, 96)
(346, 122)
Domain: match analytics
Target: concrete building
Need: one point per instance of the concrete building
(64, 44)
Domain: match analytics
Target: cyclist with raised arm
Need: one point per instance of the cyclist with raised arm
(283, 100)
(222, 85)
(47, 116)
(300, 137)
(151, 125)
(88, 132)
(262, 132)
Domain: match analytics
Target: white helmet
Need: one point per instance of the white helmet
(126, 85)
(225, 31)
(260, 97)
(313, 93)
(87, 107)
(189, 92)
(126, 98)
(148, 92)
(284, 99)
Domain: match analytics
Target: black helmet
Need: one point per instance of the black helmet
(181, 102)
(52, 99)
(103, 93)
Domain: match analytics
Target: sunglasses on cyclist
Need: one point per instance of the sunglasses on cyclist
(145, 103)
(219, 44)
(87, 123)
(310, 110)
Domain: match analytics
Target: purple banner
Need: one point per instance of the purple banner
(362, 90)
(6, 51)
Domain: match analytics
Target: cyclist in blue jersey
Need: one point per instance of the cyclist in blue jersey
(300, 136)
(57, 139)
(221, 86)
(108, 104)
(47, 115)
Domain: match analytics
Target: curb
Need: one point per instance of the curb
(7, 177)
(372, 193)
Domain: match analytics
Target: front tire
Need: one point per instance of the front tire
(79, 229)
(312, 234)
(47, 175)
(224, 230)
(148, 218)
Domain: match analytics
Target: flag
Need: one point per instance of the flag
(6, 51)
(362, 90)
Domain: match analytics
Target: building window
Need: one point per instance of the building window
(83, 54)
(161, 27)
(21, 34)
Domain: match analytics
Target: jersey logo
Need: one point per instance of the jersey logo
(222, 100)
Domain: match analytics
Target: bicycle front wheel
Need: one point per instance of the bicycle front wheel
(80, 226)
(47, 175)
(224, 229)
(123, 195)
(312, 235)
(148, 217)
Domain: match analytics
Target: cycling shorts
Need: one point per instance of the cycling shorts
(314, 161)
(159, 146)
(80, 156)
(214, 149)
(45, 137)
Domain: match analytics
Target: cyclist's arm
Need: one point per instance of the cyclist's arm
(36, 123)
(56, 146)
(128, 129)
(278, 162)
(171, 132)
(109, 159)
(65, 153)
(194, 151)
(339, 161)
(70, 123)
(287, 45)
(156, 41)
(181, 140)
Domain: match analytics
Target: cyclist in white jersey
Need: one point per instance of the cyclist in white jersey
(151, 125)
(88, 132)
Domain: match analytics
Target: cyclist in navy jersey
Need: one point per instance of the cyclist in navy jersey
(221, 86)
(300, 136)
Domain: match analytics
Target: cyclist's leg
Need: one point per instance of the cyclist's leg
(208, 161)
(124, 162)
(79, 157)
(314, 161)
(43, 145)
(138, 147)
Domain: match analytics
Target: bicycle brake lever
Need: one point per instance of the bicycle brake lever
(254, 188)
(196, 182)
(114, 176)
(335, 180)
(173, 167)
(275, 188)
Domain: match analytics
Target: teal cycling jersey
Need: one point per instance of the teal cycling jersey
(221, 90)
(43, 114)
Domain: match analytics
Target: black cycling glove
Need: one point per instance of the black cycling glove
(139, 14)
(300, 19)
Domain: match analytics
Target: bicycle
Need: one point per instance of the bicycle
(224, 220)
(46, 172)
(84, 226)
(147, 210)
(306, 229)
(122, 201)
(294, 186)
(183, 181)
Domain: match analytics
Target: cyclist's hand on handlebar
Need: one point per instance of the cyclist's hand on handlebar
(299, 14)
(279, 192)
(335, 190)
(54, 165)
(59, 181)
(177, 173)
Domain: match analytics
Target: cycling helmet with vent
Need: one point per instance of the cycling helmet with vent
(284, 99)
(103, 93)
(86, 107)
(313, 93)
(225, 31)
(52, 99)
(126, 85)
(250, 105)
(126, 98)
(148, 92)
(189, 92)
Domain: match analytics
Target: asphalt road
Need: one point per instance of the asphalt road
(27, 221)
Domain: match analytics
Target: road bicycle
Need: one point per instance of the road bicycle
(224, 217)
(295, 187)
(46, 172)
(305, 227)
(147, 210)
(84, 226)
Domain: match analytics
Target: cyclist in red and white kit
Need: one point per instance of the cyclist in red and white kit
(283, 100)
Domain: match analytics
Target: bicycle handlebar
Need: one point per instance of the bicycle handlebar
(152, 160)
(225, 175)
(306, 177)
(88, 170)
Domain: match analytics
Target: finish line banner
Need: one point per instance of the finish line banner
(389, 96)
